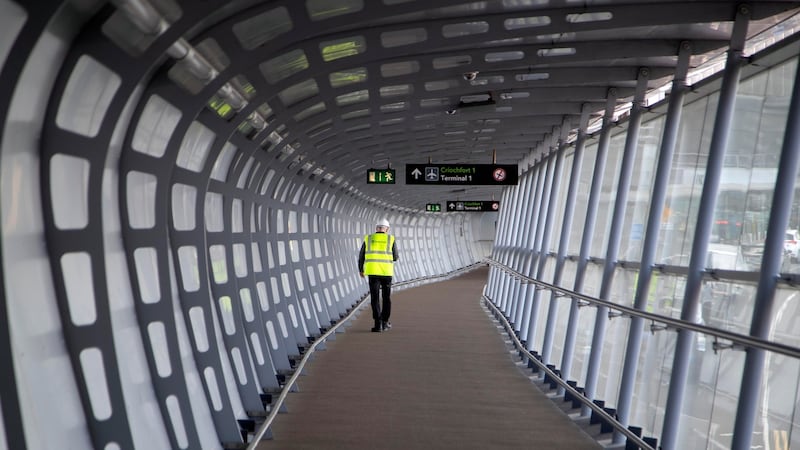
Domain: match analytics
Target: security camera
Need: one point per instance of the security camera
(450, 112)
(470, 76)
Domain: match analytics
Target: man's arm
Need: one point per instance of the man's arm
(361, 260)
(395, 255)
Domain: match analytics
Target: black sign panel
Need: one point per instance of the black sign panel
(464, 174)
(472, 206)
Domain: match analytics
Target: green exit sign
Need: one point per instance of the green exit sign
(380, 176)
(433, 207)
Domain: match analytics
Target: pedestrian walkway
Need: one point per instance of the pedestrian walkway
(442, 378)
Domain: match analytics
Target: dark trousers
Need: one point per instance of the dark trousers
(380, 286)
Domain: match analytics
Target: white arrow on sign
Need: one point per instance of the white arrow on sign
(416, 173)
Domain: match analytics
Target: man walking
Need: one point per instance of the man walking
(376, 260)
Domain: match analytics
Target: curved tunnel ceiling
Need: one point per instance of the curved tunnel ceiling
(335, 87)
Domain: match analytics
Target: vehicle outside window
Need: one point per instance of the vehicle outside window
(791, 245)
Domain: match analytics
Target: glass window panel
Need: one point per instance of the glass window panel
(284, 66)
(262, 28)
(279, 222)
(281, 251)
(350, 76)
(559, 51)
(276, 293)
(184, 206)
(89, 91)
(240, 260)
(265, 183)
(712, 391)
(751, 165)
(449, 62)
(582, 197)
(394, 107)
(69, 191)
(219, 265)
(141, 199)
(526, 22)
(400, 38)
(608, 196)
(213, 212)
(286, 285)
(433, 102)
(147, 274)
(325, 9)
(399, 69)
(199, 331)
(299, 92)
(121, 30)
(223, 162)
(356, 114)
(237, 225)
(440, 85)
(679, 218)
(247, 304)
(96, 383)
(312, 110)
(265, 111)
(261, 289)
(79, 286)
(213, 53)
(240, 183)
(589, 17)
(190, 271)
(464, 29)
(494, 57)
(532, 76)
(256, 251)
(155, 127)
(158, 340)
(641, 188)
(342, 48)
(396, 90)
(352, 98)
(226, 309)
(195, 146)
(389, 122)
(300, 282)
(193, 77)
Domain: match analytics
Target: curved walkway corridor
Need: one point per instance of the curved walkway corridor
(441, 378)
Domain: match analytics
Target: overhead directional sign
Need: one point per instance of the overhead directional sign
(433, 207)
(472, 206)
(380, 176)
(464, 174)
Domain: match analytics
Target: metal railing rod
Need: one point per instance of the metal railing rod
(561, 382)
(736, 338)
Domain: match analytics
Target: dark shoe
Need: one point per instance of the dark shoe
(387, 325)
(376, 329)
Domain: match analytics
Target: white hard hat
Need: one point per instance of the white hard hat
(383, 223)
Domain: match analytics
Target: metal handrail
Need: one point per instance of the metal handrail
(262, 430)
(677, 324)
(556, 378)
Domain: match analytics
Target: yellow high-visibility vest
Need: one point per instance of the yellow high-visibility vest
(378, 257)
